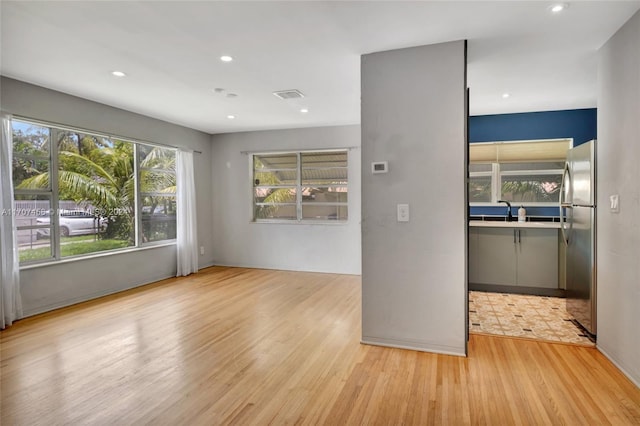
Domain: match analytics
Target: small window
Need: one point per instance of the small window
(301, 186)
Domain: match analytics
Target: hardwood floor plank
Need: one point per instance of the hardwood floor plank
(254, 347)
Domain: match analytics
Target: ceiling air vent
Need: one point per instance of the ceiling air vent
(289, 94)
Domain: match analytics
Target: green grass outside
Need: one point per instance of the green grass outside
(90, 237)
(72, 249)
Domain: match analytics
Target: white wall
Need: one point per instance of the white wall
(414, 274)
(292, 246)
(618, 235)
(48, 287)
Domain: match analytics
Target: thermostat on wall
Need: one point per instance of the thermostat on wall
(380, 167)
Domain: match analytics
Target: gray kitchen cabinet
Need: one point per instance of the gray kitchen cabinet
(537, 258)
(520, 257)
(496, 257)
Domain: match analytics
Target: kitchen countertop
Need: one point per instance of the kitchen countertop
(514, 224)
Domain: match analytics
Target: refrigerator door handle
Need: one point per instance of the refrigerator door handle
(566, 180)
(566, 183)
(562, 226)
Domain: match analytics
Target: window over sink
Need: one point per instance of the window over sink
(522, 172)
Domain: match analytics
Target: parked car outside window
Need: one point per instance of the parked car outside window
(73, 222)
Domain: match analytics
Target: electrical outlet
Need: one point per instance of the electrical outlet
(201, 250)
(403, 212)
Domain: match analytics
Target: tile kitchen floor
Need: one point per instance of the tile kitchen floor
(517, 315)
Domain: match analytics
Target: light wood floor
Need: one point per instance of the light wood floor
(243, 346)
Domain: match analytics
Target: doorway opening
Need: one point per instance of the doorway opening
(517, 267)
(525, 316)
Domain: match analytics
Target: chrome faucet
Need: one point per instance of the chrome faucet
(509, 217)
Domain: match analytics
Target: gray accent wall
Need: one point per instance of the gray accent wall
(618, 234)
(294, 246)
(63, 283)
(414, 273)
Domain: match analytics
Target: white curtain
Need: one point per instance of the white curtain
(186, 215)
(10, 300)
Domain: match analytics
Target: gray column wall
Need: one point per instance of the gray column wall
(414, 273)
(618, 234)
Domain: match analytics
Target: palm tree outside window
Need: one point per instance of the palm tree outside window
(82, 193)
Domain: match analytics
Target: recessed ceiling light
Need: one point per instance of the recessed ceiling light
(118, 73)
(226, 58)
(304, 110)
(231, 117)
(231, 95)
(557, 8)
(505, 95)
(218, 90)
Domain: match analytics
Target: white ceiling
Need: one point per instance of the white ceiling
(170, 52)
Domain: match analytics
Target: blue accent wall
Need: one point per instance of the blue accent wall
(579, 124)
(501, 210)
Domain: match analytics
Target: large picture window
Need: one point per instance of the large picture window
(78, 193)
(300, 186)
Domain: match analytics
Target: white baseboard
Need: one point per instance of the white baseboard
(277, 268)
(207, 265)
(634, 380)
(413, 345)
(86, 297)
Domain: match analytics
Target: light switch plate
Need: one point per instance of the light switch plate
(614, 203)
(403, 212)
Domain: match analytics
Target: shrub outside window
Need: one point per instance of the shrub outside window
(537, 182)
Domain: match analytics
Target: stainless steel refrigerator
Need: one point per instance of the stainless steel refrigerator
(578, 225)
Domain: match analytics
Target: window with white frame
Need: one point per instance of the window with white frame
(522, 172)
(32, 160)
(300, 186)
(80, 193)
(157, 180)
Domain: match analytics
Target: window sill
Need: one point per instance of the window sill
(96, 255)
(514, 204)
(301, 222)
